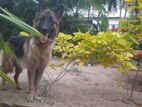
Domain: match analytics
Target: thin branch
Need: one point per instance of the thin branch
(61, 74)
(63, 70)
(135, 79)
(48, 76)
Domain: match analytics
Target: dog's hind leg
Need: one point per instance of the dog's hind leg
(18, 70)
(6, 67)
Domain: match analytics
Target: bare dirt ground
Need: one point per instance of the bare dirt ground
(91, 87)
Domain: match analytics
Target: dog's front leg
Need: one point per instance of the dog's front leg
(38, 76)
(31, 78)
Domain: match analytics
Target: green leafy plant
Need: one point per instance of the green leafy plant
(109, 48)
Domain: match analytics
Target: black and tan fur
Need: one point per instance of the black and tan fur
(33, 52)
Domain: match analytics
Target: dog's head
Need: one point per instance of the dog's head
(47, 22)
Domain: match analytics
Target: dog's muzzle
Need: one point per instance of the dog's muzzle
(44, 39)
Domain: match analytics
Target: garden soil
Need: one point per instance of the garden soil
(84, 86)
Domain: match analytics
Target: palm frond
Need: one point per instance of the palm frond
(19, 23)
(5, 77)
(5, 48)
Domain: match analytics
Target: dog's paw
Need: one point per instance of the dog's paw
(30, 98)
(38, 99)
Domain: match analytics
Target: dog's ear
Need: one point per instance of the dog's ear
(59, 11)
(41, 6)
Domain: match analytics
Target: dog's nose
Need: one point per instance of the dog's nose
(44, 30)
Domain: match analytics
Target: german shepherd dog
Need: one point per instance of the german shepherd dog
(33, 53)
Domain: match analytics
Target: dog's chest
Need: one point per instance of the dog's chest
(35, 56)
(38, 55)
